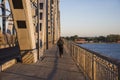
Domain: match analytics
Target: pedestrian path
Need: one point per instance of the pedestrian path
(51, 67)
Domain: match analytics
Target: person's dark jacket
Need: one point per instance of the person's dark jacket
(60, 43)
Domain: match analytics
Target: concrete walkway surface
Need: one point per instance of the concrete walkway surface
(52, 67)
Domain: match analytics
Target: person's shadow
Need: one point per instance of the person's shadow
(54, 70)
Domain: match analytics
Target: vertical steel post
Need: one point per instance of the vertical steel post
(93, 67)
(118, 71)
(38, 25)
(3, 17)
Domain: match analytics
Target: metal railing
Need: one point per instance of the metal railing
(7, 54)
(94, 65)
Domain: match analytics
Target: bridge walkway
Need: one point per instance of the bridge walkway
(50, 68)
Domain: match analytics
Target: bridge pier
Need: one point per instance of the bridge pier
(23, 21)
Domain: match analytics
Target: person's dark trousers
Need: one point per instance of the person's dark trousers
(60, 51)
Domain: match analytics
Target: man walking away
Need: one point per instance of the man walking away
(60, 46)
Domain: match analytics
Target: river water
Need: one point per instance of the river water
(111, 50)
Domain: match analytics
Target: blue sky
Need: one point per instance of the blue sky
(7, 7)
(90, 17)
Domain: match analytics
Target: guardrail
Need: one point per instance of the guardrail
(94, 65)
(7, 54)
(9, 57)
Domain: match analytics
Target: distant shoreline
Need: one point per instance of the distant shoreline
(100, 43)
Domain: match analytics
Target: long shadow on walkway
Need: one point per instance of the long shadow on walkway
(51, 75)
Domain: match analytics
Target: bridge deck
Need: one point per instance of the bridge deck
(50, 68)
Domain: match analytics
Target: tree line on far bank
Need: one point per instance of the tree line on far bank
(107, 39)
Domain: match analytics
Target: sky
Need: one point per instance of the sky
(7, 7)
(90, 18)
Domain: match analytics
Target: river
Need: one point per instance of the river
(111, 50)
